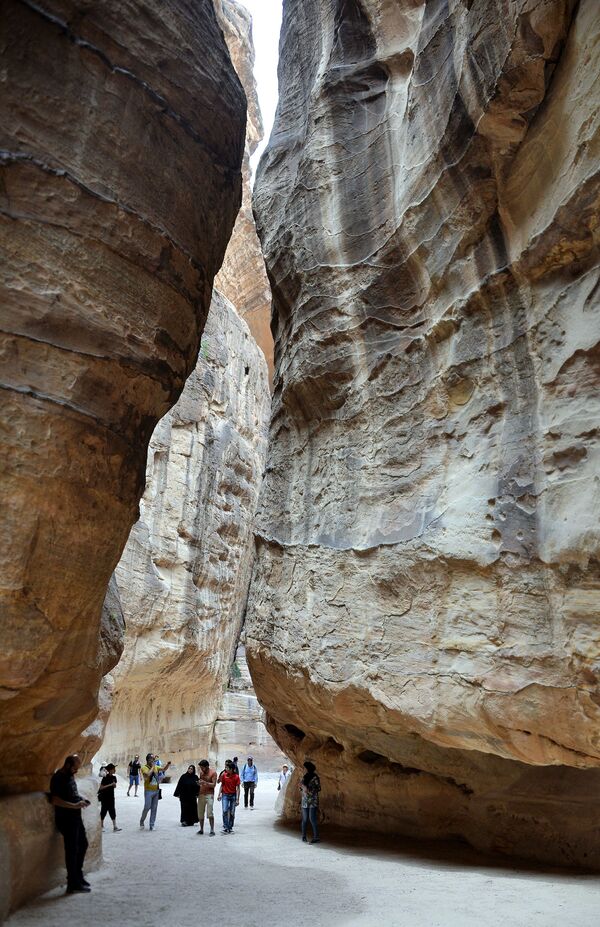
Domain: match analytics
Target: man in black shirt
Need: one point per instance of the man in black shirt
(134, 774)
(67, 812)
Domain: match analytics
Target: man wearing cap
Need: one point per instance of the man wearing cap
(106, 796)
(206, 798)
(250, 779)
(152, 776)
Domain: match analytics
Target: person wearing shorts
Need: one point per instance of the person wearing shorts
(206, 798)
(134, 774)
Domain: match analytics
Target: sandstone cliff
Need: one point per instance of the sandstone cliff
(185, 570)
(239, 728)
(242, 278)
(122, 138)
(423, 614)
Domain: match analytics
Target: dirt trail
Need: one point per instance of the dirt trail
(264, 876)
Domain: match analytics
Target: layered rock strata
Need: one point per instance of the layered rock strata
(243, 278)
(185, 570)
(122, 139)
(423, 613)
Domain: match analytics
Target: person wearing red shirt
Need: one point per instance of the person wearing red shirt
(229, 795)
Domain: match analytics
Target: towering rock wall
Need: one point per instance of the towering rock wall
(184, 574)
(423, 617)
(242, 278)
(122, 139)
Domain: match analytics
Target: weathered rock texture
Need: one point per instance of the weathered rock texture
(122, 139)
(242, 278)
(240, 729)
(424, 611)
(31, 849)
(184, 573)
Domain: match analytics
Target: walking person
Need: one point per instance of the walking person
(186, 791)
(249, 779)
(134, 774)
(206, 798)
(229, 795)
(67, 814)
(234, 763)
(106, 795)
(152, 775)
(310, 788)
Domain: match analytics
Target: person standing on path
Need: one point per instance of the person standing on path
(134, 774)
(284, 775)
(206, 798)
(152, 775)
(186, 791)
(235, 766)
(106, 795)
(310, 788)
(67, 813)
(229, 795)
(249, 778)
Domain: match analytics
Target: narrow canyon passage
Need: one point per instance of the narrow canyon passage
(264, 875)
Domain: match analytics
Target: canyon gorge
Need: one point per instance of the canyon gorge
(402, 541)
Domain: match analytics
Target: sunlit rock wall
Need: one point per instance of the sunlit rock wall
(239, 728)
(424, 611)
(184, 574)
(122, 138)
(242, 278)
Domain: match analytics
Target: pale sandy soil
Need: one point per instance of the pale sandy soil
(264, 876)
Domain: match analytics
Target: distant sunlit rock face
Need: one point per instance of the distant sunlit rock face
(184, 574)
(423, 617)
(122, 141)
(243, 278)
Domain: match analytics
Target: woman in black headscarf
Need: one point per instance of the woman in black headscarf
(187, 791)
(310, 788)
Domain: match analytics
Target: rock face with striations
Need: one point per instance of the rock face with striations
(424, 608)
(242, 278)
(184, 574)
(122, 140)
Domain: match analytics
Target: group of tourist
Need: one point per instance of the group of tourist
(195, 791)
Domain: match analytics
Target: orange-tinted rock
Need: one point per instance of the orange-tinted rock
(122, 138)
(243, 278)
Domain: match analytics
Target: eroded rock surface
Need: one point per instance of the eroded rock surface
(122, 139)
(239, 728)
(243, 278)
(424, 611)
(184, 574)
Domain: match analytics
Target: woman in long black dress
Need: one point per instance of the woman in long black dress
(187, 791)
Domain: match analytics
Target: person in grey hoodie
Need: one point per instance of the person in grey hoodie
(249, 777)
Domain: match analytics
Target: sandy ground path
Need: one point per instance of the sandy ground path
(264, 876)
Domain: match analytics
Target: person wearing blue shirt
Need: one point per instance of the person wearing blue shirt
(249, 777)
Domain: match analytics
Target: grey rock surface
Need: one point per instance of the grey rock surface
(423, 617)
